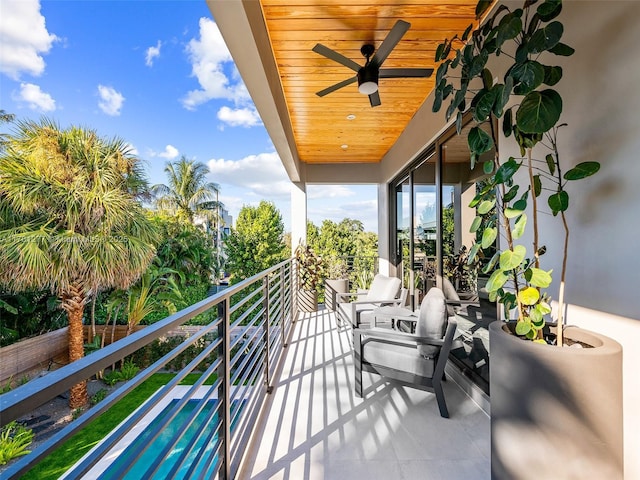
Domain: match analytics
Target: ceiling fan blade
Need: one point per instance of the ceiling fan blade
(389, 43)
(337, 86)
(374, 99)
(336, 57)
(405, 72)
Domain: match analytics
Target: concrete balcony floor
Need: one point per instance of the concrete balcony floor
(314, 427)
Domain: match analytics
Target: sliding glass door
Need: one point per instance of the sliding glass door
(432, 239)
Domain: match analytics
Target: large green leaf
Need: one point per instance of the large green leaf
(479, 141)
(546, 38)
(537, 185)
(478, 63)
(465, 35)
(539, 111)
(475, 225)
(519, 227)
(529, 296)
(552, 75)
(496, 281)
(528, 76)
(562, 50)
(442, 71)
(551, 164)
(486, 206)
(440, 51)
(582, 170)
(473, 252)
(523, 328)
(510, 259)
(489, 266)
(484, 101)
(489, 236)
(502, 97)
(507, 123)
(506, 171)
(437, 101)
(482, 7)
(559, 202)
(511, 194)
(538, 277)
(549, 10)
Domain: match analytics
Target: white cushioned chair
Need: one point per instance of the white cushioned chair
(382, 292)
(415, 359)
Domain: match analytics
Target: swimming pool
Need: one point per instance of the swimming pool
(166, 437)
(123, 452)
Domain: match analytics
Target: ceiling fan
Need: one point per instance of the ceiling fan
(367, 76)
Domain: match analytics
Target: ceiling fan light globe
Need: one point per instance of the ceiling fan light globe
(367, 88)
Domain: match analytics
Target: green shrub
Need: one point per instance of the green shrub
(111, 378)
(128, 370)
(98, 396)
(14, 441)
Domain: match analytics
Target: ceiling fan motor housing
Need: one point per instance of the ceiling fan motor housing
(367, 74)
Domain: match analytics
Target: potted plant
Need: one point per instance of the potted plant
(310, 270)
(556, 411)
(337, 280)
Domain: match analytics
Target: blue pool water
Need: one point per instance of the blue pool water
(138, 471)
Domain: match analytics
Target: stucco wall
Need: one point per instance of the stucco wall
(602, 110)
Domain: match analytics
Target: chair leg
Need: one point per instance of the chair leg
(357, 364)
(442, 404)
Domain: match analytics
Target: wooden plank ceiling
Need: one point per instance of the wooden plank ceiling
(322, 131)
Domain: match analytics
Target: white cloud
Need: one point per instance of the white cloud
(170, 152)
(239, 117)
(23, 38)
(262, 174)
(208, 56)
(364, 210)
(35, 98)
(132, 149)
(110, 100)
(152, 53)
(329, 191)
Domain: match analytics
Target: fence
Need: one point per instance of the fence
(33, 355)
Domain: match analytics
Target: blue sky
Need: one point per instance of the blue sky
(158, 75)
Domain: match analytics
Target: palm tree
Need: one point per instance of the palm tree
(188, 193)
(75, 227)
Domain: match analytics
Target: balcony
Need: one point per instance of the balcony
(315, 427)
(292, 374)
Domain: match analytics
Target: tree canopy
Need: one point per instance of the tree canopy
(188, 193)
(69, 219)
(256, 243)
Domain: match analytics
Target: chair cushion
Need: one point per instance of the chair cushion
(383, 288)
(404, 359)
(432, 320)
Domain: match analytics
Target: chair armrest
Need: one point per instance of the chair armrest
(393, 336)
(340, 296)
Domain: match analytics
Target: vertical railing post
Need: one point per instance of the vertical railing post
(283, 314)
(224, 372)
(266, 322)
(294, 289)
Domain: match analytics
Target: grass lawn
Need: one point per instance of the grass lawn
(58, 462)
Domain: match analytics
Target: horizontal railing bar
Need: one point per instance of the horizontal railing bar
(244, 300)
